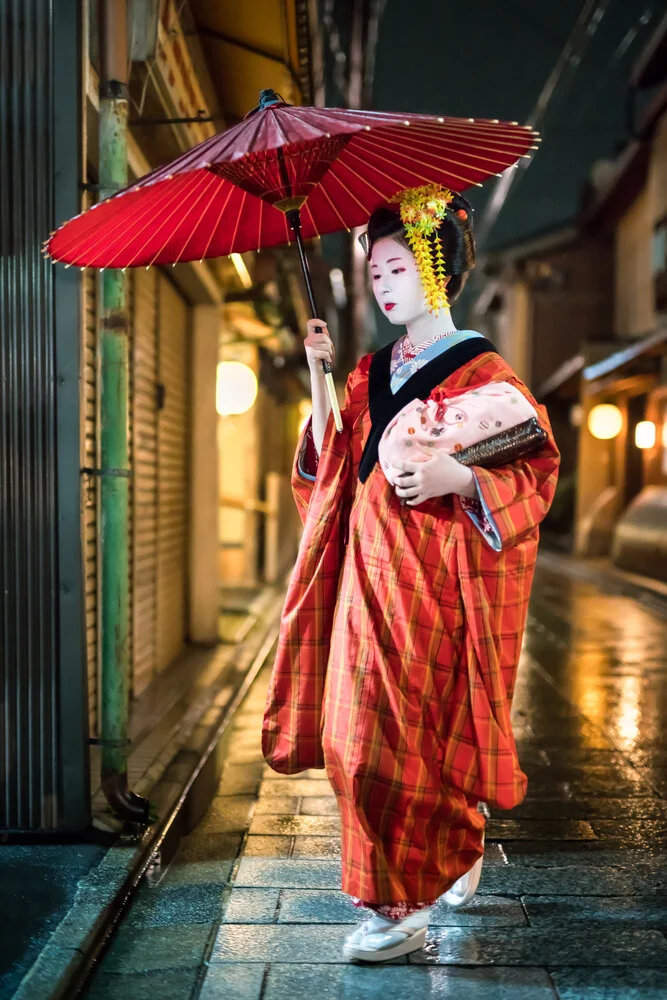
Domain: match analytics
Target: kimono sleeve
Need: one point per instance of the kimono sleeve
(516, 497)
(306, 461)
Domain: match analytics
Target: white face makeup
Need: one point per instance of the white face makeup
(396, 281)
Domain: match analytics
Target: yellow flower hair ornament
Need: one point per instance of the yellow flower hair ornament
(422, 211)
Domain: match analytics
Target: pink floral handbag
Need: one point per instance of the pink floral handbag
(488, 425)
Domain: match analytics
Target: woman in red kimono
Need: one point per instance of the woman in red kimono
(404, 617)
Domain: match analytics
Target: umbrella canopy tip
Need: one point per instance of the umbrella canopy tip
(269, 97)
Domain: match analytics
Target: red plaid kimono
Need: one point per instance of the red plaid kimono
(398, 652)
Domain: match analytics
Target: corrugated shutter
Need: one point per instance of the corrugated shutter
(89, 486)
(43, 713)
(145, 477)
(173, 473)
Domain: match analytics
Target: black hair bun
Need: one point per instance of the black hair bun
(455, 236)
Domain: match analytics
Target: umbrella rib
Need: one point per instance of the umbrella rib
(431, 166)
(514, 150)
(259, 226)
(464, 127)
(94, 228)
(137, 213)
(326, 195)
(278, 125)
(312, 220)
(474, 143)
(343, 163)
(238, 218)
(232, 189)
(177, 197)
(446, 159)
(194, 228)
(335, 176)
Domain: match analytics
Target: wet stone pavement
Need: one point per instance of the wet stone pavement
(573, 898)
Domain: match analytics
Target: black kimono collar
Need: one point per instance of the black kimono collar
(384, 404)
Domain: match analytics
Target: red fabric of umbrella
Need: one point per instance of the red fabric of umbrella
(231, 193)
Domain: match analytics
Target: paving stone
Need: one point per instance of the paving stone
(318, 906)
(316, 847)
(258, 872)
(507, 829)
(398, 982)
(646, 831)
(242, 739)
(157, 948)
(209, 847)
(323, 826)
(313, 774)
(587, 853)
(161, 906)
(279, 943)
(240, 779)
(519, 880)
(297, 786)
(587, 808)
(620, 911)
(240, 981)
(244, 755)
(172, 984)
(268, 847)
(591, 782)
(252, 906)
(197, 872)
(228, 814)
(314, 806)
(277, 805)
(530, 946)
(649, 878)
(482, 911)
(326, 907)
(610, 984)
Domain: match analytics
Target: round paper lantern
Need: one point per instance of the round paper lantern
(236, 388)
(605, 421)
(645, 434)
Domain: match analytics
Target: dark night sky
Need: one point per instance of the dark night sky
(491, 58)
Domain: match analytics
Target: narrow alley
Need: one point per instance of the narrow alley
(572, 897)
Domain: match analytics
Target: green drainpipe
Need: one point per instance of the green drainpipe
(113, 375)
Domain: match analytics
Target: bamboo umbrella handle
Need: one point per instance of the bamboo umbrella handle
(333, 398)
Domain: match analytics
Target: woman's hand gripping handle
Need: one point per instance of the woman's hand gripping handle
(321, 355)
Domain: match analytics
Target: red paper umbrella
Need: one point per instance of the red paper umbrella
(231, 193)
(284, 173)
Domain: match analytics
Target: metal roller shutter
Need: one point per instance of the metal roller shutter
(145, 477)
(173, 473)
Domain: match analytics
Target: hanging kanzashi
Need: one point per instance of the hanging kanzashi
(423, 210)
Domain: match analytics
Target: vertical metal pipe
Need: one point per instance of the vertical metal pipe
(114, 469)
